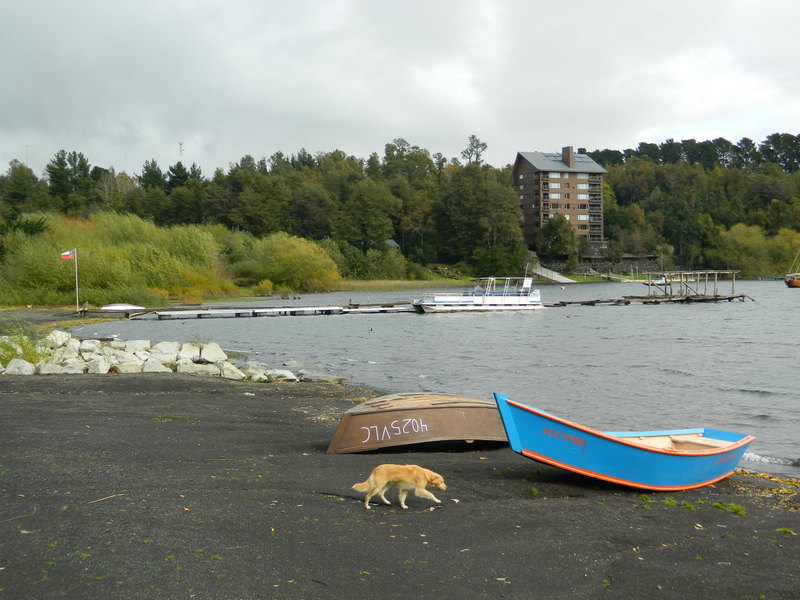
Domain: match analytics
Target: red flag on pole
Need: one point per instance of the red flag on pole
(68, 254)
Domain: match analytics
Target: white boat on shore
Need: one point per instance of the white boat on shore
(489, 295)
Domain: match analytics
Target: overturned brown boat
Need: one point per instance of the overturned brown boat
(414, 418)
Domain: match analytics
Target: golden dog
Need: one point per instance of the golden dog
(405, 477)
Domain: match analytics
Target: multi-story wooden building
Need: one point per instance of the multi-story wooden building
(566, 184)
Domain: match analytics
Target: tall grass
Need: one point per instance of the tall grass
(121, 258)
(19, 340)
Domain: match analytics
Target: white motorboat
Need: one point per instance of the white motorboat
(489, 295)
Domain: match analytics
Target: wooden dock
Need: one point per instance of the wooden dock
(671, 287)
(280, 311)
(626, 300)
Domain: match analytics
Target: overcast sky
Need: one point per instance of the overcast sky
(125, 81)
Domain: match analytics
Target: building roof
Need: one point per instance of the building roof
(552, 161)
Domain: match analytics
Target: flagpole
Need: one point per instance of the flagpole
(77, 302)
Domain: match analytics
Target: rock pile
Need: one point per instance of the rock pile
(64, 354)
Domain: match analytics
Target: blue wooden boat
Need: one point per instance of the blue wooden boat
(678, 459)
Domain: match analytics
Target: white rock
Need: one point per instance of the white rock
(319, 377)
(45, 368)
(89, 346)
(212, 353)
(189, 351)
(18, 366)
(193, 368)
(59, 355)
(121, 356)
(154, 366)
(57, 338)
(129, 366)
(281, 375)
(229, 371)
(2, 368)
(255, 371)
(165, 351)
(134, 346)
(74, 366)
(98, 365)
(116, 345)
(291, 363)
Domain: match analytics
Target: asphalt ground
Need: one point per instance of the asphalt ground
(176, 486)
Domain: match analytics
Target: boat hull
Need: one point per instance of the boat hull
(442, 307)
(414, 418)
(792, 281)
(627, 458)
(491, 294)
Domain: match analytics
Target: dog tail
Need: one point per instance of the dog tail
(362, 487)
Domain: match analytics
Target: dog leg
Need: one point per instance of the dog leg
(370, 493)
(423, 493)
(383, 491)
(402, 495)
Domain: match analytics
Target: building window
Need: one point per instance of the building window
(555, 196)
(583, 176)
(583, 186)
(583, 196)
(555, 186)
(555, 205)
(566, 217)
(583, 207)
(583, 227)
(555, 175)
(583, 217)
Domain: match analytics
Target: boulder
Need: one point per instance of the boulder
(212, 353)
(44, 368)
(18, 366)
(315, 377)
(193, 368)
(255, 371)
(155, 366)
(281, 375)
(89, 346)
(73, 366)
(229, 371)
(98, 365)
(189, 351)
(134, 346)
(61, 354)
(165, 352)
(129, 366)
(57, 338)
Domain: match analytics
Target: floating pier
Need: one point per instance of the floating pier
(282, 311)
(667, 287)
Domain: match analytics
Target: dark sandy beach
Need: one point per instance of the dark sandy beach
(176, 486)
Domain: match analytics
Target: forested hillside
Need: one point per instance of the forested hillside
(711, 204)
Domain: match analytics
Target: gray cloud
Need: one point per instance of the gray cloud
(124, 82)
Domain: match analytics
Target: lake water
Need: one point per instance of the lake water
(728, 365)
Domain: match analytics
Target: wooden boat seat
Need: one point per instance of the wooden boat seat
(692, 442)
(699, 443)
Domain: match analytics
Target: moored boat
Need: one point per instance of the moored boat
(792, 280)
(666, 460)
(489, 294)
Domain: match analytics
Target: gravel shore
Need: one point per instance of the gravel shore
(177, 486)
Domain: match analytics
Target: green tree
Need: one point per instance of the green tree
(366, 216)
(152, 176)
(473, 153)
